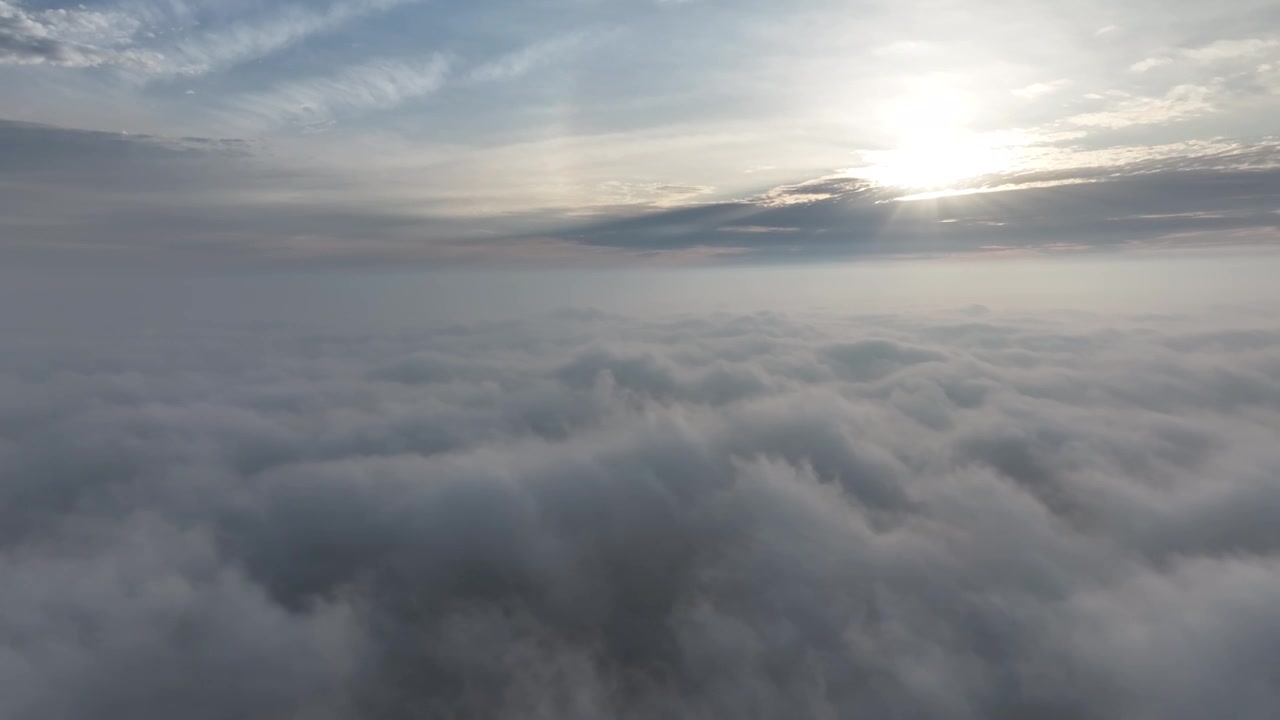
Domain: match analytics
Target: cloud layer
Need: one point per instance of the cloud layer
(965, 514)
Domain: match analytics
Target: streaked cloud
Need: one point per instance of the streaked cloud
(1179, 103)
(520, 62)
(253, 38)
(1232, 49)
(373, 85)
(1040, 89)
(1150, 64)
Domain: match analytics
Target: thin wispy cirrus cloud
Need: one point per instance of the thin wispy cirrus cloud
(272, 32)
(371, 86)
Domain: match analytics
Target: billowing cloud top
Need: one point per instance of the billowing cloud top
(253, 133)
(962, 514)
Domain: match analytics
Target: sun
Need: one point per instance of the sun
(932, 164)
(934, 145)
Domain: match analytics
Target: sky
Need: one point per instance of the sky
(241, 134)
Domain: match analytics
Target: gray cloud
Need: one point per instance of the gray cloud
(73, 196)
(932, 514)
(70, 38)
(138, 36)
(1138, 199)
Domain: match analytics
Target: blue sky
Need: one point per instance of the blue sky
(590, 132)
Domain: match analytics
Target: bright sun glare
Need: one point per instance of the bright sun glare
(934, 146)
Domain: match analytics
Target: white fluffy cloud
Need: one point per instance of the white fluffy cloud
(950, 515)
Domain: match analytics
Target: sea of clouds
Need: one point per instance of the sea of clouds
(963, 514)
